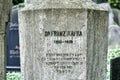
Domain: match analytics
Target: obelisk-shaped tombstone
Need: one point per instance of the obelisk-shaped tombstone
(63, 40)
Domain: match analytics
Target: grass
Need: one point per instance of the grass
(111, 54)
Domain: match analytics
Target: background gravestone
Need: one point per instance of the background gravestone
(116, 15)
(27, 1)
(63, 40)
(100, 1)
(115, 69)
(5, 6)
(12, 43)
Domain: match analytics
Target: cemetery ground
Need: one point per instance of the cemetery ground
(112, 53)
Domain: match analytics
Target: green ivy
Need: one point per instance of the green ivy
(13, 76)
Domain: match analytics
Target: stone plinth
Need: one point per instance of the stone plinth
(64, 40)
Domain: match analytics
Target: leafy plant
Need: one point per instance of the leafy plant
(13, 76)
(15, 2)
(111, 54)
(114, 3)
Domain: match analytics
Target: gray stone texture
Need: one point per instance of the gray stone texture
(27, 1)
(2, 57)
(63, 15)
(116, 15)
(111, 15)
(5, 6)
(114, 37)
(114, 29)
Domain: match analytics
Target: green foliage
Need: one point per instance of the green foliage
(21, 5)
(115, 3)
(111, 54)
(15, 2)
(13, 76)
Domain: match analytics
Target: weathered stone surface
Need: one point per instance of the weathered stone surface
(49, 51)
(2, 57)
(114, 29)
(111, 15)
(73, 4)
(114, 37)
(97, 45)
(27, 1)
(116, 15)
(5, 6)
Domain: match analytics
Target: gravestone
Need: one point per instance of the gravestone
(12, 43)
(114, 37)
(27, 1)
(116, 15)
(5, 6)
(100, 1)
(115, 69)
(63, 40)
(111, 15)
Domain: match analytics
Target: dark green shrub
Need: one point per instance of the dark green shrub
(15, 2)
(114, 3)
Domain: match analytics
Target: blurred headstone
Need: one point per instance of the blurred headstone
(12, 39)
(28, 1)
(116, 13)
(114, 37)
(99, 1)
(114, 29)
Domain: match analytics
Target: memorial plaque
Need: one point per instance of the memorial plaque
(115, 69)
(64, 41)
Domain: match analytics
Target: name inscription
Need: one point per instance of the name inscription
(63, 33)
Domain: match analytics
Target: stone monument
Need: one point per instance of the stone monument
(5, 7)
(12, 43)
(63, 40)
